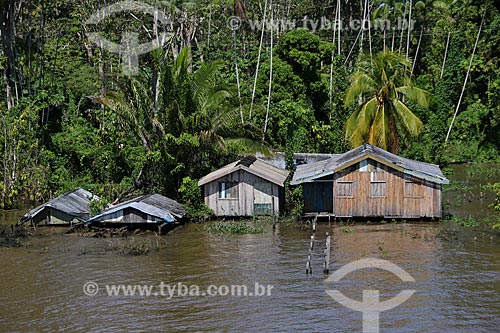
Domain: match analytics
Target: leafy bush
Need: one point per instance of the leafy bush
(192, 198)
(495, 188)
(295, 200)
(468, 222)
(97, 206)
(233, 227)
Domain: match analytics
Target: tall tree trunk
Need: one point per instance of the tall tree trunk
(362, 9)
(368, 9)
(237, 75)
(416, 52)
(270, 76)
(340, 27)
(401, 33)
(209, 25)
(393, 38)
(409, 29)
(331, 65)
(258, 58)
(7, 30)
(445, 54)
(466, 78)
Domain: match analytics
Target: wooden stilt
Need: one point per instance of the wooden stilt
(326, 264)
(308, 265)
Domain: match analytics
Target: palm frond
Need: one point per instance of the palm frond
(409, 121)
(415, 94)
(249, 146)
(359, 123)
(382, 129)
(361, 83)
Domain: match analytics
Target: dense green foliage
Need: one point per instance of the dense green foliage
(383, 117)
(69, 117)
(495, 188)
(233, 227)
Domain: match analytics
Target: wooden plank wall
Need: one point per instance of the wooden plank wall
(244, 204)
(405, 197)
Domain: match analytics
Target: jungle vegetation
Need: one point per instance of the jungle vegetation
(236, 77)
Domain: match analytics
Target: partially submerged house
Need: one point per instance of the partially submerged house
(72, 206)
(246, 187)
(371, 182)
(146, 209)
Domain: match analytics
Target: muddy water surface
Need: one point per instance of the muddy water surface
(457, 281)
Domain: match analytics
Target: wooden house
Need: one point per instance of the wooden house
(371, 182)
(72, 206)
(154, 209)
(246, 187)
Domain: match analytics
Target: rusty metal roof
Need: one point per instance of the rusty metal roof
(155, 205)
(308, 172)
(253, 165)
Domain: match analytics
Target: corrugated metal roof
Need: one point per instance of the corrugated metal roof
(253, 165)
(308, 172)
(313, 157)
(74, 203)
(155, 205)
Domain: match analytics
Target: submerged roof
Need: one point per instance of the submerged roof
(155, 205)
(253, 165)
(74, 203)
(308, 172)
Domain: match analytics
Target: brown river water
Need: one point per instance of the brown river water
(457, 281)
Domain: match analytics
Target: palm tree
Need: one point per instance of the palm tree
(382, 117)
(187, 102)
(186, 109)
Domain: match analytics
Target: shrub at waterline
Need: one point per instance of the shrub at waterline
(233, 227)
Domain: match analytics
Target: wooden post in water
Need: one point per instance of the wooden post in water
(326, 264)
(308, 265)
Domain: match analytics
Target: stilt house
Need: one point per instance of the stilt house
(371, 182)
(246, 187)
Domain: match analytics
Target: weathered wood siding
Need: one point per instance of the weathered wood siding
(382, 192)
(251, 190)
(128, 215)
(318, 196)
(52, 216)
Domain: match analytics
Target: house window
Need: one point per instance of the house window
(344, 189)
(228, 190)
(378, 189)
(412, 189)
(378, 184)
